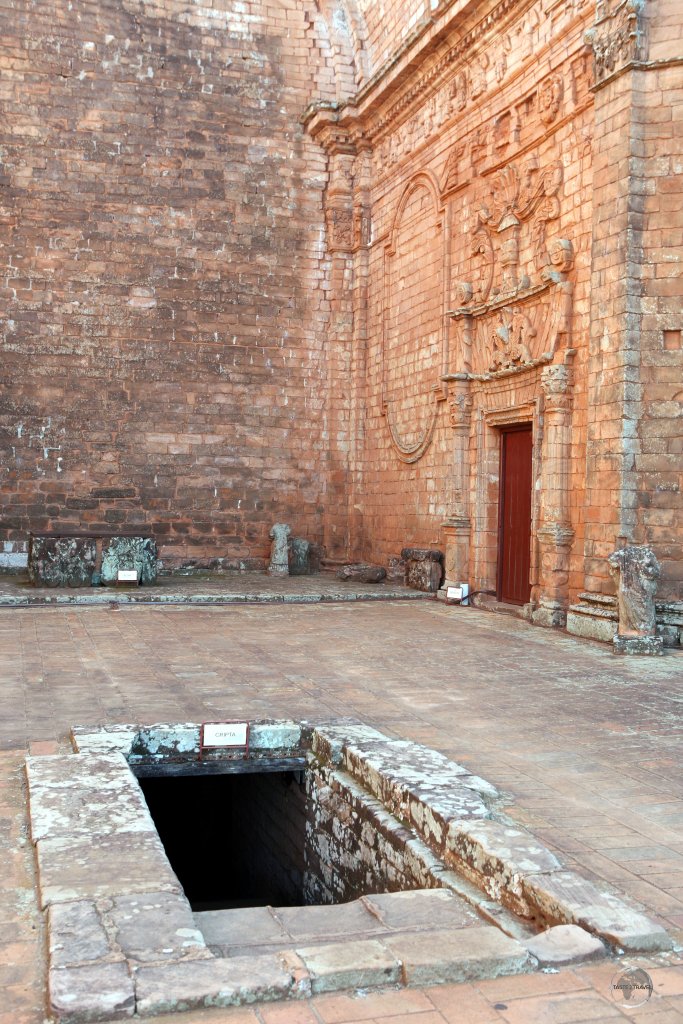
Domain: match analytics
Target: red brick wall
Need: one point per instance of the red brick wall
(162, 271)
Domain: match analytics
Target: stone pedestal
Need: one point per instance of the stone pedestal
(635, 571)
(456, 531)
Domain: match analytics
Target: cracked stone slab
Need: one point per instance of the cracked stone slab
(156, 926)
(112, 739)
(100, 992)
(194, 984)
(76, 934)
(420, 909)
(223, 930)
(340, 965)
(497, 857)
(565, 896)
(441, 957)
(565, 944)
(81, 869)
(82, 795)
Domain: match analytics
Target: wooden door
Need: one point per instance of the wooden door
(514, 520)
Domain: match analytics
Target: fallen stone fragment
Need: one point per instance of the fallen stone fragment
(340, 965)
(564, 944)
(193, 984)
(566, 897)
(361, 572)
(101, 992)
(76, 934)
(451, 956)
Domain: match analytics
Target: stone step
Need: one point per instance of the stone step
(592, 598)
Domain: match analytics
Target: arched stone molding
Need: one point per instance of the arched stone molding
(414, 338)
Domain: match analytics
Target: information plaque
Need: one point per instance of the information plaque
(224, 736)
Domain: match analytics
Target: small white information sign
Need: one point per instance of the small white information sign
(127, 576)
(453, 593)
(225, 734)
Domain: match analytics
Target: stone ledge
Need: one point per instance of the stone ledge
(101, 992)
(443, 956)
(362, 964)
(190, 986)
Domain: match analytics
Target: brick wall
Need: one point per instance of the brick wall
(163, 280)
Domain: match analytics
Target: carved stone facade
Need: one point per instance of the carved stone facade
(491, 204)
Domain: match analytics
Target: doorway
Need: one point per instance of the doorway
(514, 515)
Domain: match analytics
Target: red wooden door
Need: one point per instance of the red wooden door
(514, 521)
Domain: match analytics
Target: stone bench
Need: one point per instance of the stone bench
(83, 559)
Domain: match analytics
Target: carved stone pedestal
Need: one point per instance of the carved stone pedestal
(456, 533)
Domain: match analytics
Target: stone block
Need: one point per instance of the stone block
(223, 930)
(592, 623)
(156, 926)
(61, 561)
(312, 923)
(299, 555)
(423, 568)
(420, 909)
(76, 934)
(229, 982)
(130, 553)
(340, 965)
(566, 897)
(445, 956)
(564, 944)
(361, 572)
(99, 866)
(98, 992)
(643, 645)
(72, 795)
(497, 857)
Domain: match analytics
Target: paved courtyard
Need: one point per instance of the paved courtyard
(586, 745)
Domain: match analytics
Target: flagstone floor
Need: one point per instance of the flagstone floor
(586, 745)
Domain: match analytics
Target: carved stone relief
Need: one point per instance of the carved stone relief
(616, 37)
(549, 98)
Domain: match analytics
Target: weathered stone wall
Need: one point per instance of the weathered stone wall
(164, 284)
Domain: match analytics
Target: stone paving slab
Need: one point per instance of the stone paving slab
(223, 930)
(101, 992)
(156, 926)
(437, 957)
(420, 909)
(229, 982)
(76, 934)
(316, 922)
(81, 869)
(565, 944)
(354, 965)
(84, 795)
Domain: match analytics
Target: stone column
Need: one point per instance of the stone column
(555, 535)
(456, 528)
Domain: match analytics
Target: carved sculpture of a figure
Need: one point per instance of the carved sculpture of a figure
(279, 554)
(635, 570)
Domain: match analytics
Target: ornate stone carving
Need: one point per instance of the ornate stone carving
(138, 553)
(340, 227)
(61, 561)
(616, 37)
(460, 411)
(549, 98)
(279, 551)
(635, 571)
(555, 381)
(511, 339)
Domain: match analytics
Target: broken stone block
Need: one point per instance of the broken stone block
(361, 572)
(339, 965)
(564, 944)
(442, 957)
(96, 992)
(423, 568)
(61, 561)
(299, 555)
(565, 896)
(130, 553)
(279, 551)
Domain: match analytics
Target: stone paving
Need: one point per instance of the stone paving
(587, 746)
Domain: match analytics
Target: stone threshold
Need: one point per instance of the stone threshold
(123, 940)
